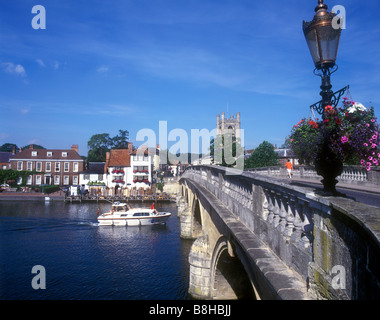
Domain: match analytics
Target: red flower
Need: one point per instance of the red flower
(326, 120)
(338, 121)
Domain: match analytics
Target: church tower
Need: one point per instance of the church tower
(228, 125)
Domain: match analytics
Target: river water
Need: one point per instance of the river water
(85, 261)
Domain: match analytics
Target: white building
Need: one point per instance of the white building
(128, 172)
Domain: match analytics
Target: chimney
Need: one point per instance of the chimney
(130, 147)
(13, 150)
(107, 162)
(74, 147)
(30, 147)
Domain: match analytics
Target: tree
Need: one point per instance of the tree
(120, 141)
(100, 144)
(8, 147)
(263, 156)
(35, 146)
(225, 149)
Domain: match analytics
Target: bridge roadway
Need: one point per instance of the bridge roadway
(259, 237)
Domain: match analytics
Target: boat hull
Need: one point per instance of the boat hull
(133, 221)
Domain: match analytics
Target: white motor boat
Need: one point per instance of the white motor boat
(122, 214)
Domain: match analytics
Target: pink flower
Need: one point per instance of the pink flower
(373, 120)
(365, 144)
(374, 137)
(370, 158)
(344, 139)
(367, 124)
(373, 145)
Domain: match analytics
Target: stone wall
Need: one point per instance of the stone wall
(332, 243)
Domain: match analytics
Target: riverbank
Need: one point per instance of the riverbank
(30, 196)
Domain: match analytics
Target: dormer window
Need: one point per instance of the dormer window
(64, 154)
(49, 153)
(34, 153)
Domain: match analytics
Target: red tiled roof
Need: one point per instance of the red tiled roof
(139, 151)
(119, 158)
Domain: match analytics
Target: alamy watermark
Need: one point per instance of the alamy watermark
(228, 149)
(39, 280)
(338, 277)
(39, 20)
(339, 21)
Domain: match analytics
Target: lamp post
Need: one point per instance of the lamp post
(322, 37)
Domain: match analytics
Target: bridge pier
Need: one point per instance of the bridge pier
(200, 269)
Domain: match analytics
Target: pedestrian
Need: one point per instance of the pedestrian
(289, 168)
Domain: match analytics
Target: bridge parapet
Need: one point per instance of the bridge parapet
(350, 174)
(332, 244)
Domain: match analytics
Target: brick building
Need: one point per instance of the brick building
(49, 166)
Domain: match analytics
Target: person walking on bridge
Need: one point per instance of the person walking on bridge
(289, 168)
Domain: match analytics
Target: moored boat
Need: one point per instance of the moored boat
(122, 214)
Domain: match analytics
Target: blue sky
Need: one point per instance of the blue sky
(101, 66)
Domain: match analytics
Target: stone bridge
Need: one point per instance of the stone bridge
(257, 237)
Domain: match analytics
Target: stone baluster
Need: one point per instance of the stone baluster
(283, 213)
(276, 210)
(266, 205)
(307, 226)
(290, 217)
(270, 200)
(298, 221)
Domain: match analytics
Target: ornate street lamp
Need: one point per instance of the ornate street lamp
(322, 36)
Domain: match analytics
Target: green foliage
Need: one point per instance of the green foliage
(303, 141)
(263, 156)
(48, 189)
(35, 146)
(11, 176)
(225, 149)
(100, 144)
(350, 132)
(8, 147)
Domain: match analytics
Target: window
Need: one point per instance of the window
(29, 165)
(57, 166)
(29, 180)
(39, 166)
(19, 165)
(56, 180)
(75, 168)
(48, 167)
(49, 153)
(66, 166)
(86, 177)
(75, 179)
(65, 180)
(100, 177)
(19, 180)
(34, 153)
(64, 154)
(38, 179)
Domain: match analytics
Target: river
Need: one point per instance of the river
(82, 260)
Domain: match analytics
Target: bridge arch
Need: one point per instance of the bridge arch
(229, 279)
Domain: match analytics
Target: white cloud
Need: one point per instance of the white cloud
(41, 63)
(12, 68)
(56, 65)
(24, 111)
(102, 69)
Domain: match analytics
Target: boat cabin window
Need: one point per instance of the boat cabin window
(137, 214)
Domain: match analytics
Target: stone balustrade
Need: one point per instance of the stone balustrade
(313, 235)
(350, 174)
